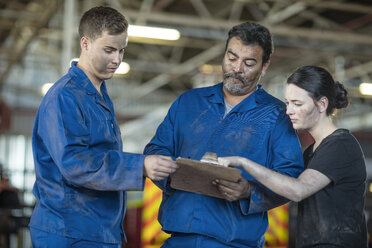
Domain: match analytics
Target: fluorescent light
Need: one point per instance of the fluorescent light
(153, 32)
(45, 88)
(122, 69)
(210, 69)
(74, 59)
(365, 89)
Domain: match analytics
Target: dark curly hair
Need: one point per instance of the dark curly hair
(253, 34)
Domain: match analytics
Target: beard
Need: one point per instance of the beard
(231, 86)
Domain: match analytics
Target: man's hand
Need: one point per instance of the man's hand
(234, 191)
(158, 167)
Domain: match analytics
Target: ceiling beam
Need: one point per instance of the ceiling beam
(336, 5)
(200, 7)
(178, 70)
(321, 35)
(339, 5)
(286, 13)
(282, 30)
(162, 4)
(145, 9)
(356, 122)
(358, 70)
(27, 34)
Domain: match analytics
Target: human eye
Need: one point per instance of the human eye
(109, 50)
(231, 58)
(250, 63)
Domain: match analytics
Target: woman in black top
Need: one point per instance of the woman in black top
(331, 190)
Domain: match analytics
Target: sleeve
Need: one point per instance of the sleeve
(335, 159)
(163, 143)
(285, 157)
(67, 137)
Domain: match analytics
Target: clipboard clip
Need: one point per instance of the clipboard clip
(209, 157)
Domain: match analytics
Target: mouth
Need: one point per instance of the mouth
(112, 69)
(235, 79)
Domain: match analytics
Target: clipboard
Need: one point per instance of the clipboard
(195, 176)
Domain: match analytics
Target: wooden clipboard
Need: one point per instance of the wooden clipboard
(195, 176)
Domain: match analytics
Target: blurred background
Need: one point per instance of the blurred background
(38, 40)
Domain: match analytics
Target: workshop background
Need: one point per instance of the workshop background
(38, 40)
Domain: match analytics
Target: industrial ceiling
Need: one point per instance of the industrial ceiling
(38, 39)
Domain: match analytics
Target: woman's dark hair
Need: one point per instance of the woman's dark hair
(318, 82)
(253, 34)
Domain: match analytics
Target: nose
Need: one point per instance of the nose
(289, 110)
(237, 66)
(117, 57)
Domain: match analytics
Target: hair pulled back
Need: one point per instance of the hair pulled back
(318, 82)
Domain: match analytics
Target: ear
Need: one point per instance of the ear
(84, 43)
(322, 104)
(264, 68)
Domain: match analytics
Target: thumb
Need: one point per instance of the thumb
(229, 161)
(223, 161)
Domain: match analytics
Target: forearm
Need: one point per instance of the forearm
(309, 182)
(109, 170)
(288, 187)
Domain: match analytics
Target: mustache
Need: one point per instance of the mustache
(234, 75)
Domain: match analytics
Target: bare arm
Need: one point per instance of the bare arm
(296, 189)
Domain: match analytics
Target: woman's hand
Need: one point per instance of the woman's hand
(233, 161)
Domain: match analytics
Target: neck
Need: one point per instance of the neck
(323, 128)
(85, 68)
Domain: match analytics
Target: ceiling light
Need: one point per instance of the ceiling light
(74, 59)
(153, 32)
(45, 88)
(210, 69)
(122, 69)
(365, 89)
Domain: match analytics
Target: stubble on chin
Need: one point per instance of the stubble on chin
(232, 88)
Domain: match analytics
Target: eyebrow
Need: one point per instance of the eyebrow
(295, 100)
(229, 51)
(110, 47)
(113, 48)
(236, 55)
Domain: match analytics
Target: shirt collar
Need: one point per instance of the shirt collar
(87, 85)
(84, 80)
(215, 95)
(252, 100)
